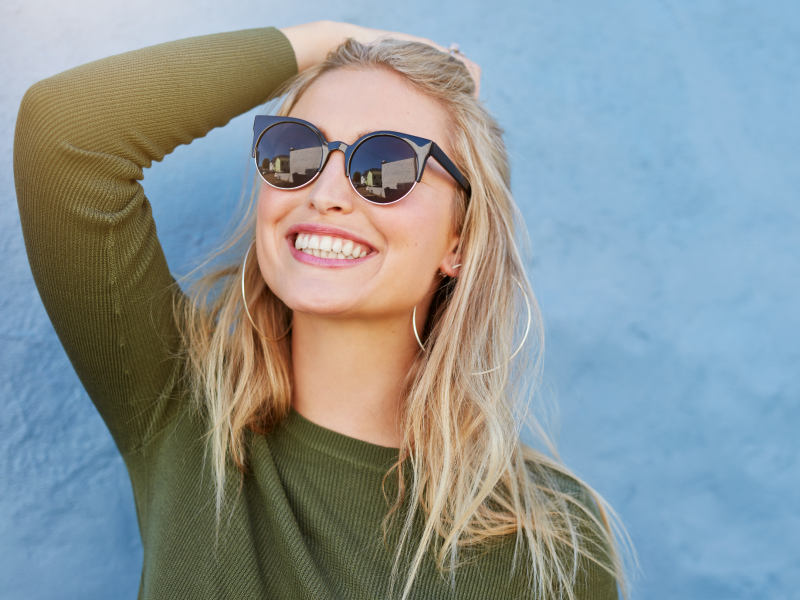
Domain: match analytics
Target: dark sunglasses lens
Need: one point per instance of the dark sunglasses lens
(383, 169)
(288, 155)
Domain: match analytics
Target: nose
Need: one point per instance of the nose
(331, 192)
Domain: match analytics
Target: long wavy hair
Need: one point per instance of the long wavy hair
(461, 465)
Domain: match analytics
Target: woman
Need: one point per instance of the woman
(333, 416)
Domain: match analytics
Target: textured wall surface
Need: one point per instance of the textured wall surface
(656, 148)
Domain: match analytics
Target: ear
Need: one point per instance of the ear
(451, 263)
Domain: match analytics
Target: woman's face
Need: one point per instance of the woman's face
(407, 243)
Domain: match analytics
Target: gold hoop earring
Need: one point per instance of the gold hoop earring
(244, 301)
(510, 358)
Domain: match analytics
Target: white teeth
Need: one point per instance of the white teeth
(327, 246)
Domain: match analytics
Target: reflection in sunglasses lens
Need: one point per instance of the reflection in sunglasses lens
(383, 169)
(288, 155)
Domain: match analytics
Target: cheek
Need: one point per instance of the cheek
(418, 241)
(269, 207)
(272, 207)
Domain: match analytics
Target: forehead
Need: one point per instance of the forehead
(347, 103)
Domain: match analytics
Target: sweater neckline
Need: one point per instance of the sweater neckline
(337, 445)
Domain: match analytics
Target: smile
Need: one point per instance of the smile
(331, 247)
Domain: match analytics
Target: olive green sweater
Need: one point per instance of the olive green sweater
(308, 520)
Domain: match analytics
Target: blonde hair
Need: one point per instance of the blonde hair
(461, 461)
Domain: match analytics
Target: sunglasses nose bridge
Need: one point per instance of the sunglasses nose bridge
(337, 146)
(342, 147)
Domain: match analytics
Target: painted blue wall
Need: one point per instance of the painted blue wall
(656, 148)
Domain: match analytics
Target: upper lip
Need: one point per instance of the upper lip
(321, 229)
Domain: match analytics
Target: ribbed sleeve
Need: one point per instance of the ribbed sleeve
(82, 141)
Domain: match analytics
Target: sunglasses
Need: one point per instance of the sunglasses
(383, 166)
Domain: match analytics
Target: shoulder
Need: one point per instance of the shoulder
(557, 481)
(582, 510)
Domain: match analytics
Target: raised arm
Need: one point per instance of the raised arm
(82, 141)
(83, 138)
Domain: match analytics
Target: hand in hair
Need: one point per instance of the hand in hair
(313, 41)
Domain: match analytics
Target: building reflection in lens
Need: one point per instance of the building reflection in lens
(289, 155)
(383, 169)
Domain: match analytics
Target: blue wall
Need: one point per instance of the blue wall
(656, 147)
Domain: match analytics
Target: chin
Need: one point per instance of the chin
(322, 303)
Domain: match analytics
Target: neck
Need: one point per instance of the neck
(348, 374)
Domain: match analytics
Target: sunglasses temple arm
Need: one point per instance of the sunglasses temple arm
(448, 166)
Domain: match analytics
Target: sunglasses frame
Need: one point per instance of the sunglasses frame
(423, 148)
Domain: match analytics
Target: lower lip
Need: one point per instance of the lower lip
(310, 259)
